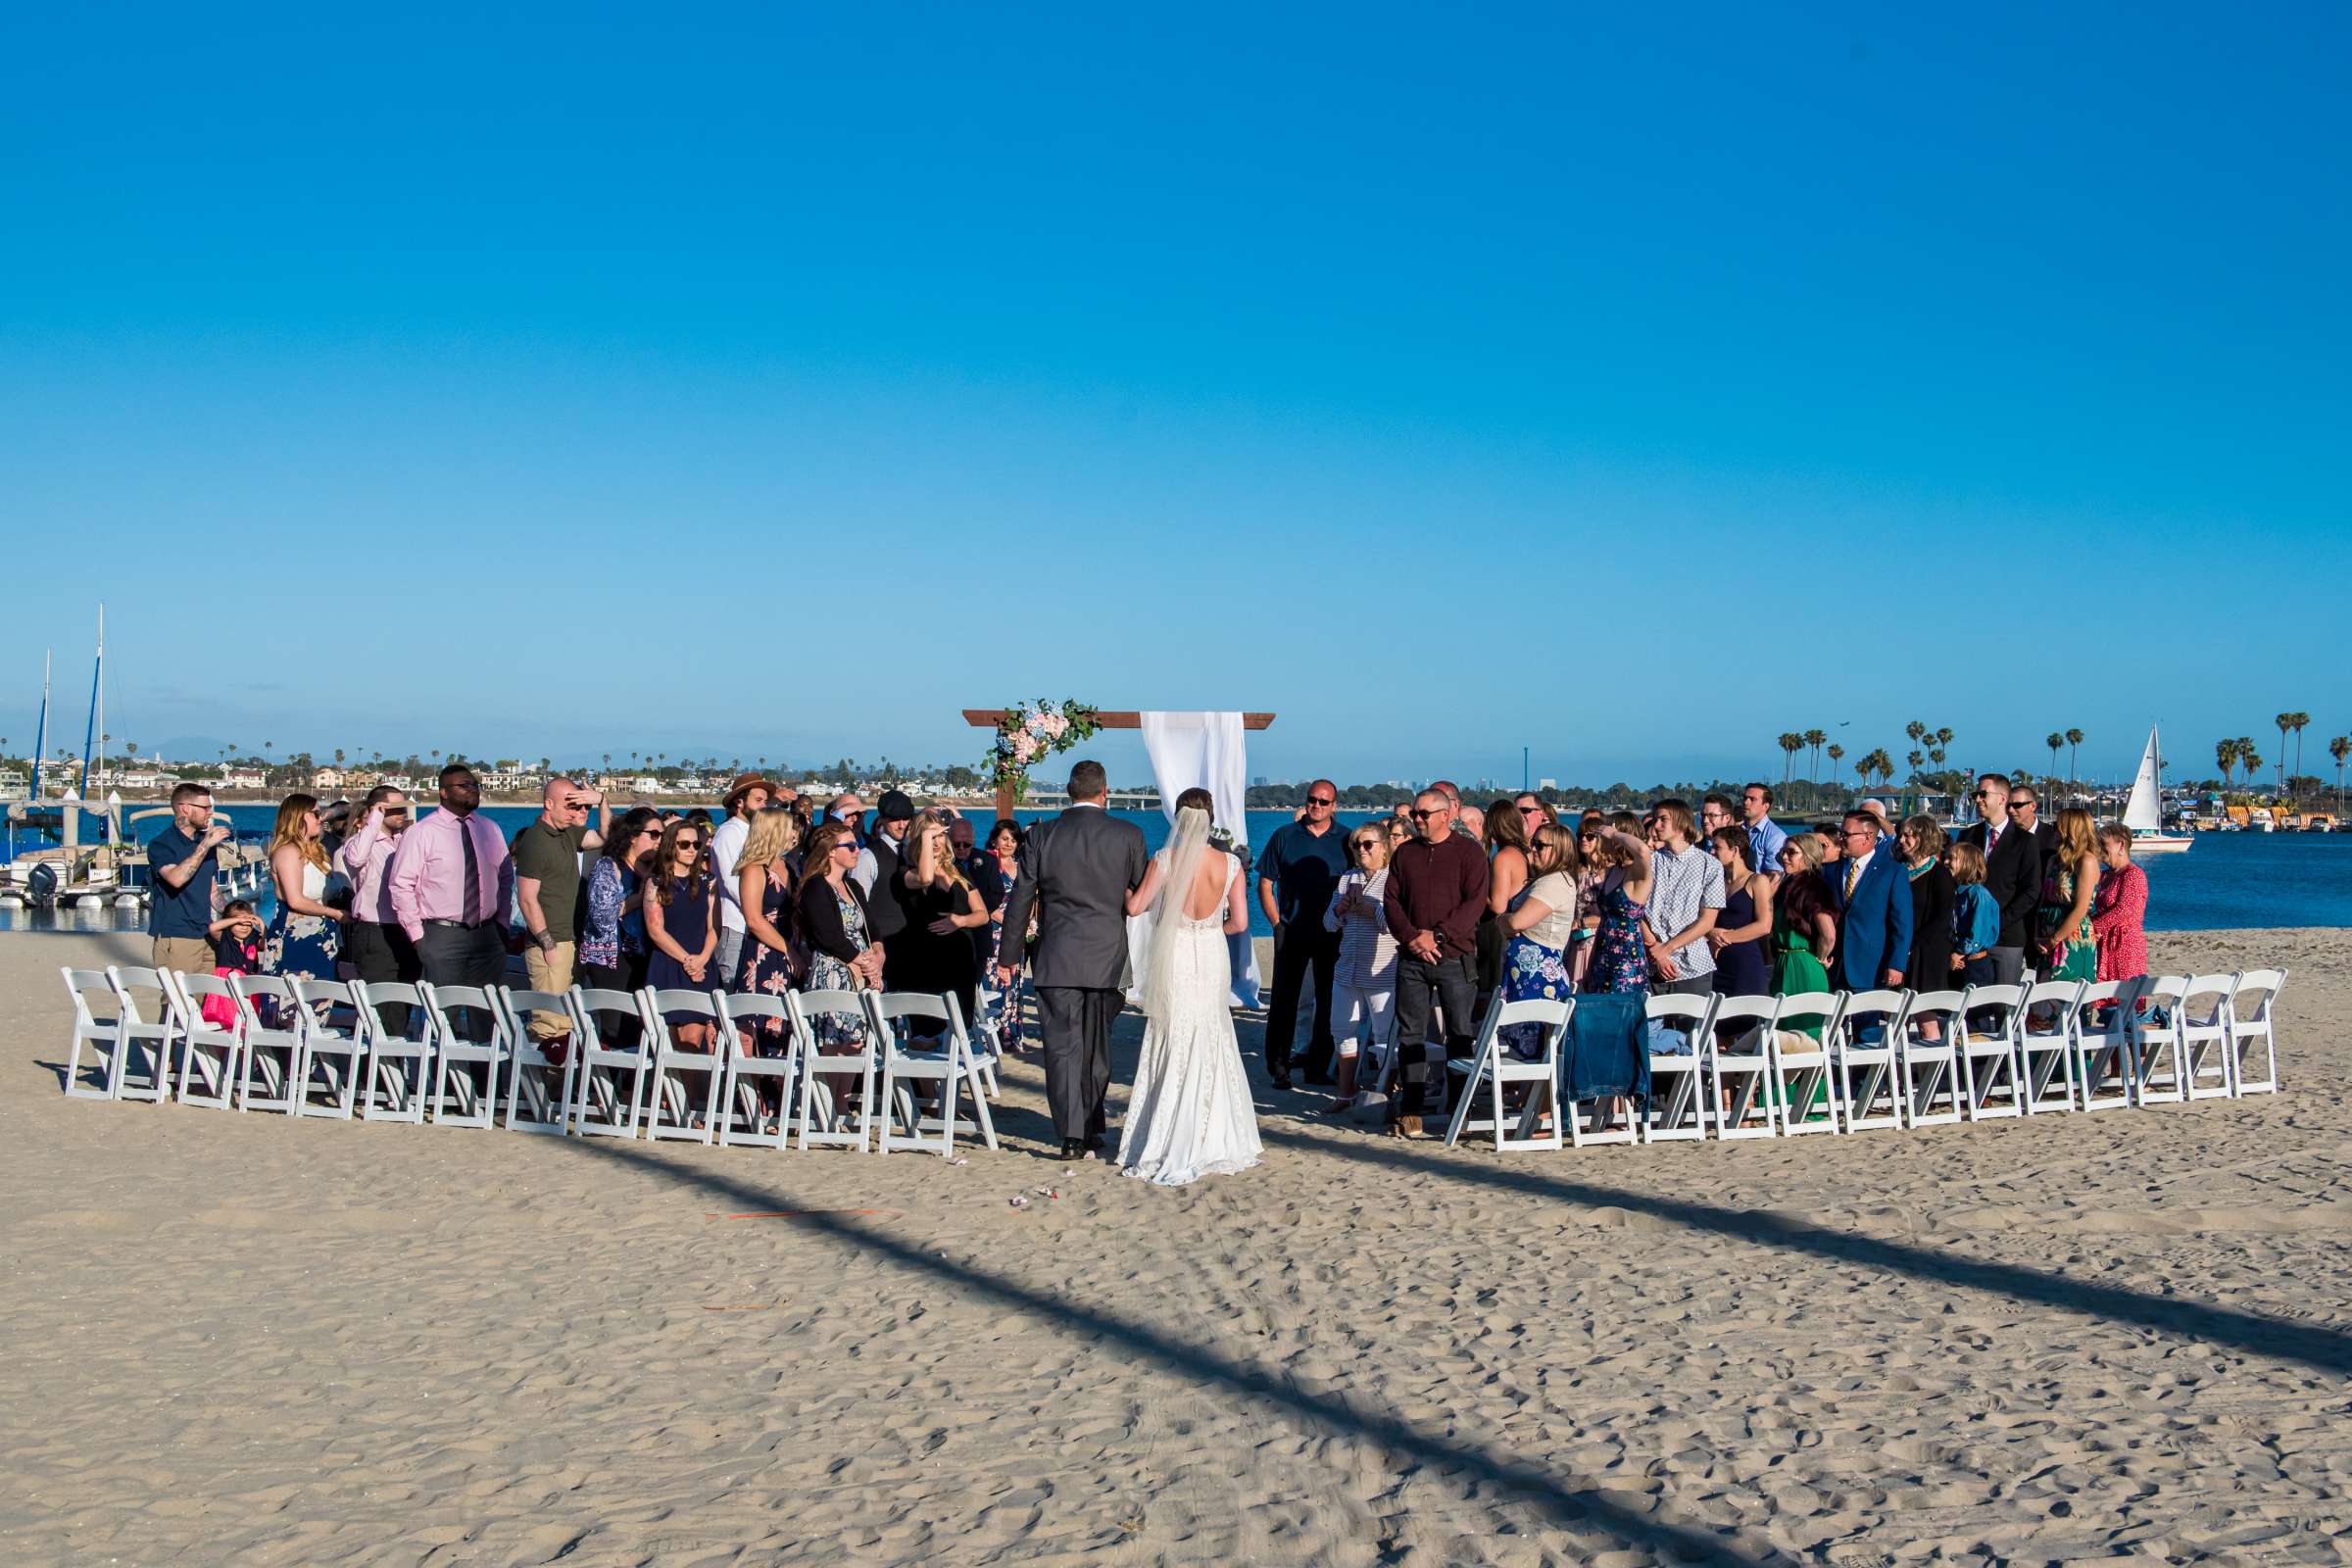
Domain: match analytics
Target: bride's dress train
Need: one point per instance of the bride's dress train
(1190, 1114)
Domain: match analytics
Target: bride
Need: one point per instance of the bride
(1190, 1113)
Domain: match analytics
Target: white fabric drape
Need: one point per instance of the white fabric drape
(1201, 751)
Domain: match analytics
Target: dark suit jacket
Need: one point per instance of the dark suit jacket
(2012, 877)
(1076, 872)
(1874, 927)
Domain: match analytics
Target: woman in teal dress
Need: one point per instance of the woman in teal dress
(1620, 954)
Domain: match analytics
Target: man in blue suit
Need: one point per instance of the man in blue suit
(1871, 896)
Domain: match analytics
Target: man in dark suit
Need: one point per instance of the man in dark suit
(2025, 809)
(2012, 874)
(1076, 871)
(1871, 897)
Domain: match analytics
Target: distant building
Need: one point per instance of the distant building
(243, 778)
(1548, 783)
(327, 779)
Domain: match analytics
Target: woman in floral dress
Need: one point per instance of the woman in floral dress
(305, 932)
(1542, 924)
(2067, 894)
(1619, 954)
(831, 919)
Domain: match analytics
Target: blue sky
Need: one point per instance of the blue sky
(782, 382)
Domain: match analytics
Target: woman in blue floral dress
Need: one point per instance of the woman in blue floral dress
(305, 932)
(1620, 952)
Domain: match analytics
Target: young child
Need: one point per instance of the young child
(236, 950)
(1976, 918)
(236, 939)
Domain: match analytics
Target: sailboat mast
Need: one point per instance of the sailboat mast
(40, 738)
(89, 735)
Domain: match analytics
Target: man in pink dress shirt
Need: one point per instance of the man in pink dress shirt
(378, 951)
(450, 884)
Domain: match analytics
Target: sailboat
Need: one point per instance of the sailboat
(2143, 813)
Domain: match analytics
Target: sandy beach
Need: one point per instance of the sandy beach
(245, 1339)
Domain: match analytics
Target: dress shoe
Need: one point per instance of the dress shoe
(1407, 1127)
(1281, 1083)
(1073, 1149)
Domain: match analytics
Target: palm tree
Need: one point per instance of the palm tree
(2296, 722)
(1878, 763)
(2224, 757)
(1791, 744)
(2340, 749)
(1814, 738)
(1915, 759)
(1836, 753)
(2249, 759)
(2053, 740)
(2286, 723)
(2074, 738)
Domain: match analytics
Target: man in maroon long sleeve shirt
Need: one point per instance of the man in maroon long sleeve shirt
(1437, 891)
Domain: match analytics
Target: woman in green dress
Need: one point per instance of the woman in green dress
(2066, 897)
(1804, 932)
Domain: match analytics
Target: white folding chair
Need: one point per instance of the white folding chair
(272, 1045)
(1738, 1050)
(2045, 1045)
(400, 1063)
(2203, 1025)
(209, 1053)
(823, 1119)
(1800, 1072)
(457, 1096)
(950, 1064)
(684, 1103)
(1677, 1084)
(753, 1081)
(2163, 1062)
(92, 993)
(2103, 1040)
(1867, 1085)
(607, 1090)
(1494, 1065)
(1988, 1080)
(1928, 1070)
(144, 1035)
(2251, 1029)
(334, 1046)
(530, 1107)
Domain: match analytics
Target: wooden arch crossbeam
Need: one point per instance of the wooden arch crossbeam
(1107, 719)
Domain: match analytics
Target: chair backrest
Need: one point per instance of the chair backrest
(2256, 990)
(2206, 998)
(126, 978)
(187, 995)
(2064, 994)
(740, 1007)
(334, 993)
(251, 988)
(829, 1001)
(1762, 1012)
(1944, 1006)
(701, 1003)
(1529, 1009)
(592, 999)
(1660, 1010)
(91, 990)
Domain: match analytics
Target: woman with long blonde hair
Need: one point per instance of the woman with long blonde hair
(2067, 893)
(305, 932)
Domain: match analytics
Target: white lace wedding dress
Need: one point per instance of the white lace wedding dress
(1190, 1114)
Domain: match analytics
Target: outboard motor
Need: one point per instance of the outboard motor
(40, 888)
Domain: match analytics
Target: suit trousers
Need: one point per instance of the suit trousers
(1450, 983)
(2008, 965)
(1302, 946)
(382, 954)
(1076, 1024)
(454, 954)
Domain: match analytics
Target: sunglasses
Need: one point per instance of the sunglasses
(690, 844)
(1423, 816)
(1322, 799)
(845, 844)
(1369, 844)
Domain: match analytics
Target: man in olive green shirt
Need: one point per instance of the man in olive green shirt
(547, 890)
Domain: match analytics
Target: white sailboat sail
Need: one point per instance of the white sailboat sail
(2142, 813)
